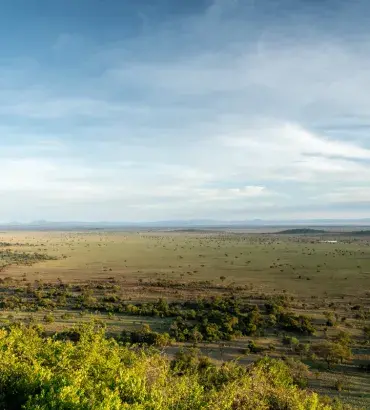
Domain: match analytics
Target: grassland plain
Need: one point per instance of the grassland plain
(304, 265)
(329, 282)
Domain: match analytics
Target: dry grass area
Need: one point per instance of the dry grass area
(326, 281)
(302, 266)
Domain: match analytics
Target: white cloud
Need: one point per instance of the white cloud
(288, 152)
(226, 172)
(351, 194)
(211, 119)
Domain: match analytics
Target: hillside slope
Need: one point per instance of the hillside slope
(94, 372)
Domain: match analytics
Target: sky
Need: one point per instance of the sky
(120, 110)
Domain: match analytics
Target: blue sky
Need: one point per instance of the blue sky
(153, 110)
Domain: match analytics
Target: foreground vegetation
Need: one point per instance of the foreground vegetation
(93, 372)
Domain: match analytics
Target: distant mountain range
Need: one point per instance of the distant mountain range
(178, 224)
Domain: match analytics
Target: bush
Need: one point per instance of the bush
(303, 349)
(293, 342)
(146, 337)
(298, 370)
(96, 373)
(253, 348)
(332, 352)
(190, 360)
(343, 338)
(49, 318)
(291, 322)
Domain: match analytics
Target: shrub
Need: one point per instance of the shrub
(49, 318)
(293, 342)
(298, 370)
(189, 360)
(343, 338)
(94, 372)
(332, 352)
(146, 336)
(252, 347)
(290, 321)
(303, 349)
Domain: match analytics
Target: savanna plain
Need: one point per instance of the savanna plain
(215, 310)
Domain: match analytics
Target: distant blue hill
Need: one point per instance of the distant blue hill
(187, 224)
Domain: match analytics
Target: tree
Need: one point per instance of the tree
(303, 349)
(196, 336)
(162, 339)
(330, 319)
(293, 342)
(344, 338)
(332, 352)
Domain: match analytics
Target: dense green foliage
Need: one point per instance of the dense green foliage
(211, 319)
(146, 336)
(94, 372)
(218, 319)
(227, 318)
